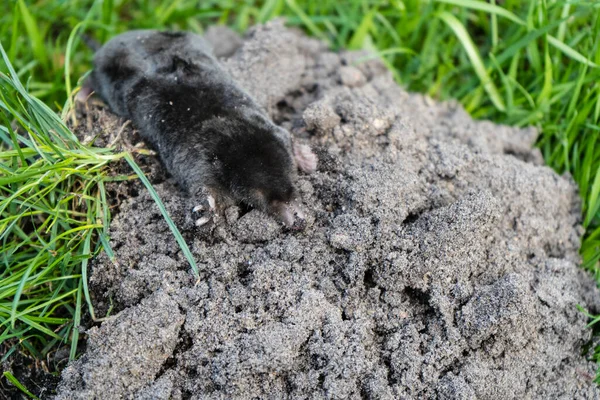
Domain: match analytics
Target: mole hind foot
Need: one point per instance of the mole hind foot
(206, 211)
(202, 221)
(306, 160)
(83, 94)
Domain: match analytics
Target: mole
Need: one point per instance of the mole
(210, 134)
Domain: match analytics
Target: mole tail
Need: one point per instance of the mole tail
(90, 42)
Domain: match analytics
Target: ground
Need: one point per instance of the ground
(439, 258)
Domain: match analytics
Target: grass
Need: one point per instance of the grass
(51, 190)
(520, 63)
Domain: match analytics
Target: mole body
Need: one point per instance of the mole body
(210, 134)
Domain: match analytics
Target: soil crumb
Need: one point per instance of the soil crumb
(439, 258)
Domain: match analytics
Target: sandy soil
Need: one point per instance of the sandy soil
(439, 259)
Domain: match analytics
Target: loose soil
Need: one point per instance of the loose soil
(439, 260)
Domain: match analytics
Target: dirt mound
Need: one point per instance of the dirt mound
(439, 259)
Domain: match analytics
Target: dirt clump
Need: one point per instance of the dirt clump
(439, 259)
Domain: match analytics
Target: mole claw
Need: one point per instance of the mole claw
(211, 202)
(202, 221)
(204, 212)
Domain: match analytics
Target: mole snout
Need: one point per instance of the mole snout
(284, 204)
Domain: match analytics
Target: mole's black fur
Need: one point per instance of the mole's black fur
(208, 131)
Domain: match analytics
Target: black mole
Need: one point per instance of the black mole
(210, 134)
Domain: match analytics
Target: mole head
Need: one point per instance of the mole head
(257, 169)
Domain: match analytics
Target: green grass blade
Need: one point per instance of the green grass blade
(10, 377)
(593, 200)
(464, 38)
(358, 39)
(68, 57)
(84, 275)
(306, 20)
(35, 37)
(76, 322)
(524, 40)
(570, 52)
(485, 7)
(184, 247)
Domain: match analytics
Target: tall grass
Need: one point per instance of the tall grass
(51, 205)
(512, 61)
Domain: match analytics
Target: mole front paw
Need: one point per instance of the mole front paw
(205, 211)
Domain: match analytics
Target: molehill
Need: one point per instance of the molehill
(439, 258)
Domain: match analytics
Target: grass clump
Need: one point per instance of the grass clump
(54, 217)
(515, 62)
(52, 204)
